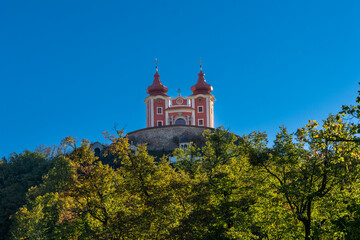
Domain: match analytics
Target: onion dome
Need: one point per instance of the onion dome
(157, 88)
(201, 87)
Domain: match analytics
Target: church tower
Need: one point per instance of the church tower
(194, 110)
(156, 102)
(203, 102)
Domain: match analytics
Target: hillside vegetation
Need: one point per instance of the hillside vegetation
(306, 186)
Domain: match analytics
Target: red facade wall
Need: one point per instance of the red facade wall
(203, 114)
(158, 102)
(176, 108)
(183, 102)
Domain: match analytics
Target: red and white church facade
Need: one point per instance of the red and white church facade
(194, 110)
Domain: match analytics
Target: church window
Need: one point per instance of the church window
(159, 101)
(199, 99)
(201, 122)
(184, 146)
(180, 121)
(200, 109)
(159, 111)
(159, 123)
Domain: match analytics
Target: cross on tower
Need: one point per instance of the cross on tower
(179, 92)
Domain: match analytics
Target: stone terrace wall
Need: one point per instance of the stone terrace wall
(166, 138)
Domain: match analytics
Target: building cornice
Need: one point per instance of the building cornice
(180, 110)
(202, 95)
(156, 97)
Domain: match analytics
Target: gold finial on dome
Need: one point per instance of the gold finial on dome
(157, 88)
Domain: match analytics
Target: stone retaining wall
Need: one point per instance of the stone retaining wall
(166, 138)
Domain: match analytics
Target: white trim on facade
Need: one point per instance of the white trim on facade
(193, 118)
(189, 106)
(147, 115)
(167, 118)
(207, 112)
(152, 112)
(212, 114)
(161, 111)
(202, 122)
(178, 110)
(180, 106)
(203, 96)
(184, 145)
(155, 97)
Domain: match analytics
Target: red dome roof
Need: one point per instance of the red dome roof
(157, 88)
(201, 87)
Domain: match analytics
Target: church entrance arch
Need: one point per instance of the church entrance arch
(180, 121)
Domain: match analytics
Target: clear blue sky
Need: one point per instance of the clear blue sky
(77, 67)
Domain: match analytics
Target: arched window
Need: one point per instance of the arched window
(184, 146)
(180, 121)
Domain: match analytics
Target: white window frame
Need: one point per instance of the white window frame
(157, 111)
(199, 122)
(184, 146)
(202, 109)
(159, 121)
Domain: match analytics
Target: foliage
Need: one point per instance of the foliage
(232, 187)
(304, 186)
(83, 199)
(221, 189)
(17, 175)
(311, 171)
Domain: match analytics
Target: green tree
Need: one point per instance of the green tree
(17, 175)
(310, 170)
(75, 201)
(221, 189)
(81, 198)
(156, 191)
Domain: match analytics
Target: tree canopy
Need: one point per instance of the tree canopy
(304, 186)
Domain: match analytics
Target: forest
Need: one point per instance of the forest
(304, 185)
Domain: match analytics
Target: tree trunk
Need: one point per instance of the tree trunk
(307, 221)
(307, 229)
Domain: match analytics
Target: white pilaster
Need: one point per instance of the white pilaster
(152, 112)
(212, 114)
(207, 112)
(166, 118)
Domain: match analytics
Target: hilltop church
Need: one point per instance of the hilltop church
(194, 110)
(173, 122)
